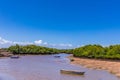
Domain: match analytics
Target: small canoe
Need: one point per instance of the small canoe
(57, 56)
(72, 72)
(14, 57)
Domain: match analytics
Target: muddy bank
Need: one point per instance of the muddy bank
(111, 66)
(5, 53)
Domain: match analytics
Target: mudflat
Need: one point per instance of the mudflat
(109, 65)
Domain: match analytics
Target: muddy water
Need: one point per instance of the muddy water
(46, 67)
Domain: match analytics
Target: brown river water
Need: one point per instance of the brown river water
(47, 67)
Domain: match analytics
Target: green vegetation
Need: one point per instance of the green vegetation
(33, 49)
(97, 51)
(68, 51)
(88, 51)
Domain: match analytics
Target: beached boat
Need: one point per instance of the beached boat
(72, 72)
(57, 56)
(15, 57)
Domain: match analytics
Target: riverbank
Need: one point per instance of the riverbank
(109, 65)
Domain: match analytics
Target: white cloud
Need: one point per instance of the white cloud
(67, 45)
(22, 43)
(6, 43)
(45, 43)
(3, 41)
(61, 46)
(38, 42)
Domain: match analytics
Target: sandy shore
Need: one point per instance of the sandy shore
(111, 66)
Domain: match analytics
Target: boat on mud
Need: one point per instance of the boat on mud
(72, 72)
(57, 56)
(15, 57)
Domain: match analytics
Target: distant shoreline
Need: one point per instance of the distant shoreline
(109, 65)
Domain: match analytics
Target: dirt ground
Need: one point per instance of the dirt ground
(109, 65)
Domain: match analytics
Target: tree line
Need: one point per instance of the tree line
(34, 49)
(87, 51)
(98, 52)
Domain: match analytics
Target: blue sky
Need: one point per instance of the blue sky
(76, 22)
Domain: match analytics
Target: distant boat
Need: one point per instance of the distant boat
(57, 56)
(72, 72)
(15, 57)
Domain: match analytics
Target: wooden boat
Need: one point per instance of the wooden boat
(15, 57)
(57, 56)
(72, 72)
